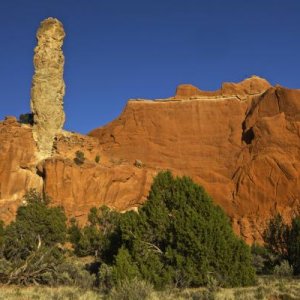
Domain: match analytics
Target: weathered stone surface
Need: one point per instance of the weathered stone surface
(17, 166)
(249, 87)
(48, 87)
(244, 149)
(244, 152)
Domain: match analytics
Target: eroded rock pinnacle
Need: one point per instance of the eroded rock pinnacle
(48, 87)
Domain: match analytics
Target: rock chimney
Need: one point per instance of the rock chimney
(48, 87)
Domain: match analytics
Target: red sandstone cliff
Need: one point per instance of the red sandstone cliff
(241, 143)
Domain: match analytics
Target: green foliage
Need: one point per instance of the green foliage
(283, 240)
(73, 273)
(263, 259)
(100, 237)
(275, 236)
(35, 222)
(283, 269)
(79, 158)
(124, 268)
(29, 250)
(134, 289)
(97, 159)
(293, 244)
(178, 237)
(26, 118)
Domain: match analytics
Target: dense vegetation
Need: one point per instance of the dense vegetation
(31, 249)
(281, 251)
(178, 238)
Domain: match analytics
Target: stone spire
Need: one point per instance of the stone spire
(48, 87)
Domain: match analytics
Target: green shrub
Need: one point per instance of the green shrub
(124, 268)
(284, 269)
(35, 223)
(97, 159)
(275, 236)
(79, 158)
(29, 251)
(283, 241)
(26, 118)
(179, 236)
(72, 273)
(263, 260)
(134, 289)
(99, 237)
(293, 245)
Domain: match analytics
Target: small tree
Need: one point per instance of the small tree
(179, 236)
(275, 236)
(29, 247)
(26, 118)
(79, 158)
(293, 245)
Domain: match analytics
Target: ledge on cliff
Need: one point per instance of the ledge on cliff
(248, 87)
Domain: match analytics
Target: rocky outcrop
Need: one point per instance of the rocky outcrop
(249, 87)
(241, 143)
(48, 87)
(17, 166)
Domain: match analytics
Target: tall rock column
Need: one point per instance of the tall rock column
(48, 87)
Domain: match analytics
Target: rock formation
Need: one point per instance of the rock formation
(48, 87)
(241, 142)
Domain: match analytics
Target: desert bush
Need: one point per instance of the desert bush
(275, 236)
(105, 278)
(124, 268)
(72, 273)
(180, 236)
(97, 159)
(99, 237)
(79, 158)
(134, 289)
(263, 260)
(283, 241)
(26, 118)
(29, 250)
(283, 269)
(293, 245)
(35, 223)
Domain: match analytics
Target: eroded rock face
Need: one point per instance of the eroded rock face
(241, 143)
(243, 90)
(48, 87)
(17, 166)
(244, 152)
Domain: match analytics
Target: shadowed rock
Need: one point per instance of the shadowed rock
(48, 87)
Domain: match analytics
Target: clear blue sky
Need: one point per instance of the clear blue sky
(121, 49)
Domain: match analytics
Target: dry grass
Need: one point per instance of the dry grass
(46, 293)
(267, 288)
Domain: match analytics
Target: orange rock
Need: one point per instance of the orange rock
(241, 143)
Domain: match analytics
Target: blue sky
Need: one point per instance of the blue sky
(117, 49)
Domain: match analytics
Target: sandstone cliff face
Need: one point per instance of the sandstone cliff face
(48, 87)
(242, 143)
(17, 166)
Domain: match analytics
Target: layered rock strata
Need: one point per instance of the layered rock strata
(48, 87)
(242, 143)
